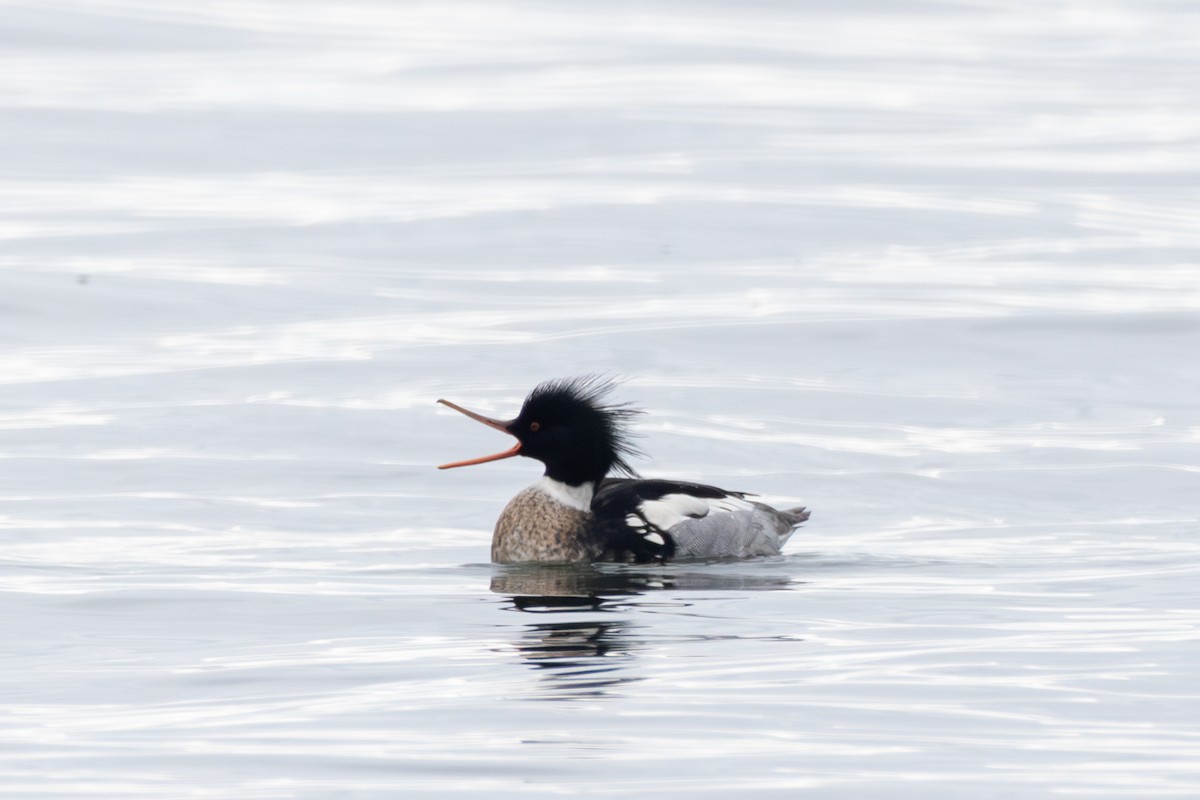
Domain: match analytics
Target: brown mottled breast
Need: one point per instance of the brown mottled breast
(536, 527)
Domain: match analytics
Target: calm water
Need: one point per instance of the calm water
(930, 268)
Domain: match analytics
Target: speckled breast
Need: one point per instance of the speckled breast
(536, 527)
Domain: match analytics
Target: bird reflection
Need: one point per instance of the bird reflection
(591, 657)
(542, 586)
(578, 659)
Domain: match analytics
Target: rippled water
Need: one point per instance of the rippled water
(929, 268)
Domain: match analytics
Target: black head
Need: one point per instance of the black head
(568, 426)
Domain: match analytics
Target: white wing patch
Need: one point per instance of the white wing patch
(672, 509)
(644, 529)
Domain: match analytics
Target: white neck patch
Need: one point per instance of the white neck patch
(578, 497)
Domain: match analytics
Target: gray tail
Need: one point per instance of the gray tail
(798, 514)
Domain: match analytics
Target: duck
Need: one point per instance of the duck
(590, 504)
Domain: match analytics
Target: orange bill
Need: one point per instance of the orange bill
(515, 450)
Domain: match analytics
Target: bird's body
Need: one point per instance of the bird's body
(576, 513)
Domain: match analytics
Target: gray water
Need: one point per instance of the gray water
(930, 268)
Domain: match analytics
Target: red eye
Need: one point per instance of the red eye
(535, 426)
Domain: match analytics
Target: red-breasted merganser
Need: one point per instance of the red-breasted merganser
(576, 513)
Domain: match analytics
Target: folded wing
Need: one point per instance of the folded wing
(681, 520)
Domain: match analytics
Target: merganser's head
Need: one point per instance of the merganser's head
(567, 426)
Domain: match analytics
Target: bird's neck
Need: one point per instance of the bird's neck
(578, 496)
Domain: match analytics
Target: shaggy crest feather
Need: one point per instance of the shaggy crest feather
(587, 395)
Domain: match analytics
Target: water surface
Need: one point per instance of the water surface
(928, 268)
